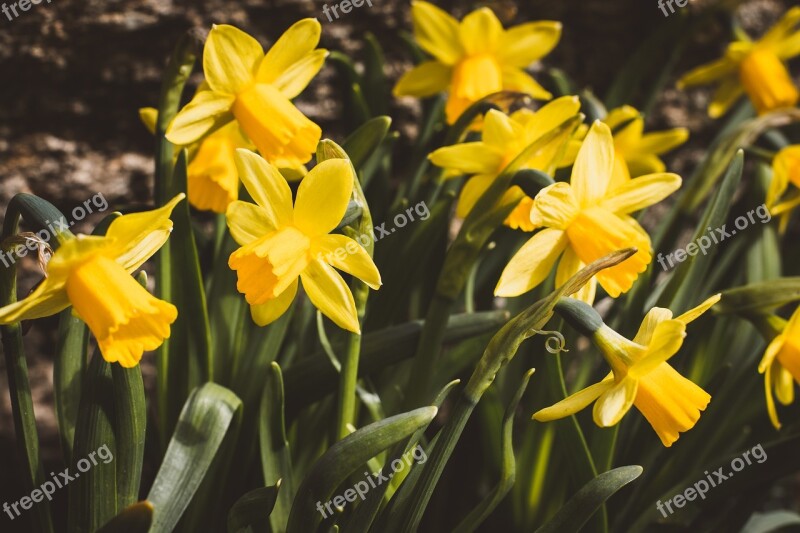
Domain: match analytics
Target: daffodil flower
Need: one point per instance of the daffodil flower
(756, 68)
(255, 90)
(503, 139)
(785, 170)
(635, 153)
(93, 275)
(281, 243)
(642, 377)
(475, 57)
(781, 366)
(585, 220)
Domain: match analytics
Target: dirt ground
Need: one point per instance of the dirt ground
(74, 73)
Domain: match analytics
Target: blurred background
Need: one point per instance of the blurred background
(75, 73)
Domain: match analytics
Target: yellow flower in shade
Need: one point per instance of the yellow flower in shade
(255, 90)
(635, 153)
(781, 365)
(586, 220)
(503, 139)
(281, 243)
(757, 68)
(212, 180)
(93, 274)
(475, 57)
(785, 170)
(642, 377)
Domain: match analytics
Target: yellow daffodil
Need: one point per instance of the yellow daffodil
(280, 243)
(785, 170)
(635, 153)
(503, 139)
(781, 365)
(756, 68)
(475, 57)
(211, 181)
(255, 90)
(93, 274)
(642, 377)
(586, 220)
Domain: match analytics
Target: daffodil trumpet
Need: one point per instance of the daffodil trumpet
(640, 374)
(93, 275)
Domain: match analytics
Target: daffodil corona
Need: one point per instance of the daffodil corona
(756, 68)
(586, 220)
(281, 243)
(255, 90)
(475, 57)
(93, 274)
(504, 138)
(640, 374)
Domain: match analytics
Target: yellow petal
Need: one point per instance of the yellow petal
(771, 411)
(275, 125)
(653, 318)
(659, 142)
(297, 77)
(266, 186)
(788, 48)
(480, 31)
(640, 165)
(666, 341)
(612, 405)
(469, 158)
(230, 59)
(471, 193)
(499, 130)
(136, 237)
(436, 32)
(641, 192)
(426, 79)
(522, 45)
(149, 117)
(122, 315)
(783, 29)
(294, 46)
(709, 72)
(623, 115)
(520, 217)
(574, 403)
(330, 294)
(784, 385)
(568, 267)
(272, 310)
(348, 256)
(514, 79)
(532, 263)
(724, 97)
(696, 312)
(206, 112)
(323, 196)
(248, 222)
(773, 348)
(593, 166)
(555, 206)
(47, 299)
(212, 178)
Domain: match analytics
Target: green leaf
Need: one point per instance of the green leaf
(69, 365)
(202, 425)
(250, 512)
(580, 508)
(130, 425)
(771, 521)
(374, 81)
(508, 472)
(136, 518)
(276, 459)
(760, 297)
(363, 142)
(344, 458)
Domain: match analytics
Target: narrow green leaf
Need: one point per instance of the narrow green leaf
(250, 512)
(130, 424)
(68, 368)
(202, 425)
(363, 142)
(580, 508)
(759, 297)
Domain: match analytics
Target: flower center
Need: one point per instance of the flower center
(477, 76)
(766, 81)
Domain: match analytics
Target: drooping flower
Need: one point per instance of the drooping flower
(757, 68)
(585, 220)
(93, 274)
(640, 376)
(785, 170)
(211, 181)
(255, 90)
(781, 365)
(504, 138)
(635, 153)
(281, 243)
(475, 57)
